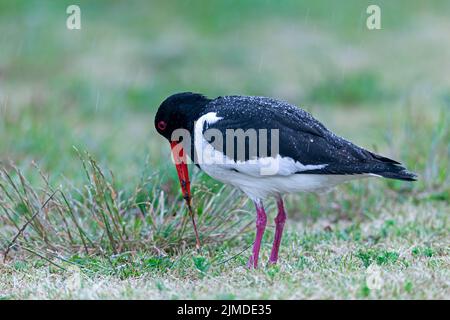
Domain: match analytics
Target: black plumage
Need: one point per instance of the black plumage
(301, 137)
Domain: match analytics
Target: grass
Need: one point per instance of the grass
(316, 263)
(110, 223)
(97, 218)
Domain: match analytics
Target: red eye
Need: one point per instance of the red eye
(162, 125)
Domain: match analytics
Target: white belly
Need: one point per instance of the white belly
(265, 186)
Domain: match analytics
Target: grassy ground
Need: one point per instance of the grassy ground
(76, 128)
(317, 261)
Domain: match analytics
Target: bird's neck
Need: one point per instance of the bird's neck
(194, 113)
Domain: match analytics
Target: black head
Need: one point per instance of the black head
(179, 111)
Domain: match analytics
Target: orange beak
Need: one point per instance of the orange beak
(179, 157)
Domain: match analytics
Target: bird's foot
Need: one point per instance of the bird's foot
(274, 254)
(252, 263)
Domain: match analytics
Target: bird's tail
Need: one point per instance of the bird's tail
(396, 171)
(391, 169)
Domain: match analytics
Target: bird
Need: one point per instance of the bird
(266, 148)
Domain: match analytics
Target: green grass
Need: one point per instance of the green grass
(76, 122)
(314, 264)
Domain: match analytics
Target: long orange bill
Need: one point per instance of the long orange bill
(179, 157)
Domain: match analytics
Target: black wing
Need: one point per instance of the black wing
(301, 138)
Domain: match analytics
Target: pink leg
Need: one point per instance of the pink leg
(279, 221)
(261, 221)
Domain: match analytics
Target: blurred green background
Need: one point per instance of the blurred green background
(98, 88)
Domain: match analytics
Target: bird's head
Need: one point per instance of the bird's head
(180, 111)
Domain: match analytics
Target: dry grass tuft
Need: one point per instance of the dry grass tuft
(99, 218)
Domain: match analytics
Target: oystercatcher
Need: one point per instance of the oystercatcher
(265, 147)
